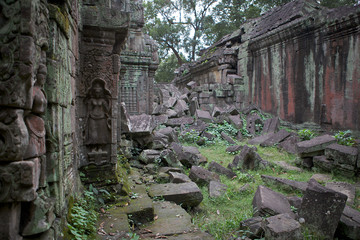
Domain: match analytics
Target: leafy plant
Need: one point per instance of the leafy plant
(191, 137)
(217, 129)
(344, 138)
(82, 217)
(306, 134)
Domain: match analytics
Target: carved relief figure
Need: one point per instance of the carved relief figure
(98, 115)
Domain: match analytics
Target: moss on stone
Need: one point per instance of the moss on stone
(61, 18)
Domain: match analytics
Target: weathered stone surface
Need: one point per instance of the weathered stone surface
(170, 169)
(169, 157)
(253, 120)
(171, 113)
(322, 208)
(194, 106)
(286, 166)
(321, 178)
(186, 194)
(140, 209)
(216, 189)
(295, 201)
(177, 122)
(170, 102)
(217, 112)
(215, 167)
(271, 125)
(289, 144)
(322, 163)
(141, 124)
(236, 121)
(267, 202)
(176, 177)
(227, 138)
(181, 108)
(252, 227)
(149, 156)
(170, 133)
(202, 176)
(10, 225)
(111, 228)
(315, 146)
(344, 188)
(124, 119)
(282, 227)
(276, 138)
(203, 115)
(260, 139)
(248, 159)
(285, 183)
(349, 224)
(342, 154)
(234, 148)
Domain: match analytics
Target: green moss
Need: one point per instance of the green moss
(61, 18)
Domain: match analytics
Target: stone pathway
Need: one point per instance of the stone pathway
(151, 218)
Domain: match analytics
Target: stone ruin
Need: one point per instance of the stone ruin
(76, 89)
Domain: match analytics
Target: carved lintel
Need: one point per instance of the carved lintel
(98, 157)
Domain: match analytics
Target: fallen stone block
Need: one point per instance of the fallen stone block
(248, 159)
(289, 144)
(115, 229)
(253, 122)
(276, 138)
(285, 183)
(227, 138)
(141, 124)
(282, 227)
(315, 146)
(349, 225)
(171, 113)
(170, 133)
(170, 169)
(177, 122)
(233, 148)
(236, 121)
(342, 154)
(193, 106)
(169, 157)
(260, 139)
(267, 202)
(181, 108)
(322, 208)
(202, 176)
(149, 156)
(10, 214)
(184, 194)
(204, 116)
(295, 201)
(218, 112)
(252, 227)
(322, 163)
(215, 167)
(216, 189)
(321, 178)
(286, 166)
(176, 177)
(271, 125)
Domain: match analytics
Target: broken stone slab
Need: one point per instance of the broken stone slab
(324, 164)
(236, 121)
(193, 106)
(289, 144)
(125, 124)
(188, 156)
(176, 177)
(140, 209)
(267, 202)
(216, 167)
(170, 102)
(248, 159)
(10, 214)
(194, 235)
(253, 121)
(321, 178)
(227, 138)
(342, 154)
(170, 169)
(276, 138)
(271, 125)
(282, 227)
(218, 111)
(252, 227)
(233, 148)
(294, 201)
(177, 122)
(171, 113)
(245, 150)
(184, 194)
(149, 156)
(286, 166)
(315, 146)
(181, 108)
(170, 133)
(114, 222)
(345, 170)
(159, 120)
(260, 139)
(202, 176)
(345, 188)
(141, 124)
(321, 208)
(169, 157)
(204, 116)
(349, 224)
(216, 189)
(198, 126)
(285, 183)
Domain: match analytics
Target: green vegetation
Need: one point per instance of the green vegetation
(345, 138)
(306, 134)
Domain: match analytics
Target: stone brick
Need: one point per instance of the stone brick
(276, 138)
(215, 167)
(342, 154)
(349, 224)
(10, 224)
(324, 164)
(202, 176)
(216, 189)
(315, 146)
(282, 227)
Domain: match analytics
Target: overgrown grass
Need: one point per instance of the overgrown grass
(221, 216)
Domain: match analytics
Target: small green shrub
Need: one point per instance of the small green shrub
(191, 137)
(306, 134)
(344, 138)
(217, 129)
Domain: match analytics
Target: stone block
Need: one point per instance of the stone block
(176, 177)
(216, 189)
(187, 194)
(286, 166)
(227, 138)
(202, 176)
(170, 133)
(217, 112)
(236, 121)
(282, 227)
(253, 120)
(322, 163)
(177, 122)
(169, 157)
(315, 146)
(288, 184)
(345, 188)
(276, 138)
(171, 113)
(149, 156)
(203, 115)
(322, 208)
(160, 141)
(248, 159)
(112, 227)
(271, 125)
(260, 139)
(140, 209)
(342, 154)
(252, 227)
(141, 124)
(215, 167)
(267, 202)
(289, 144)
(233, 148)
(181, 108)
(349, 224)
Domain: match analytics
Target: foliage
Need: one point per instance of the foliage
(191, 136)
(165, 71)
(82, 217)
(217, 129)
(344, 138)
(306, 134)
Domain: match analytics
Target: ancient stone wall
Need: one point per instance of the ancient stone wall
(298, 61)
